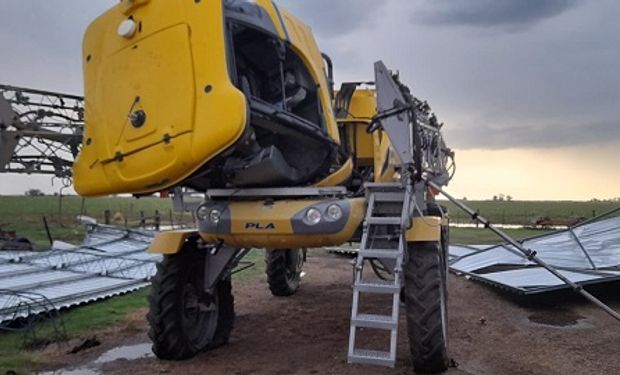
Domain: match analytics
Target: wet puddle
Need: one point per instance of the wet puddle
(128, 352)
(558, 319)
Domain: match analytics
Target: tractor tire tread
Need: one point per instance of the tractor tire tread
(424, 315)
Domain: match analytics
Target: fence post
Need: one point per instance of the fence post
(106, 215)
(142, 220)
(157, 220)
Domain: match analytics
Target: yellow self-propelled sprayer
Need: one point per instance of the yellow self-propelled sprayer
(235, 100)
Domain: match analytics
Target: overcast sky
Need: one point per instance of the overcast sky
(514, 80)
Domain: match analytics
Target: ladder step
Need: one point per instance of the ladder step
(374, 321)
(387, 220)
(389, 197)
(387, 237)
(377, 286)
(380, 253)
(371, 357)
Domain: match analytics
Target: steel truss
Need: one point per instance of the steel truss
(40, 131)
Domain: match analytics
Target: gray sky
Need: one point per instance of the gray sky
(537, 75)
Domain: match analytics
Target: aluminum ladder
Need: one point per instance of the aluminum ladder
(382, 239)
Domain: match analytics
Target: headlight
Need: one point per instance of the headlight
(202, 213)
(215, 216)
(333, 212)
(313, 216)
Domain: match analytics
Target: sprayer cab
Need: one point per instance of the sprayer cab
(210, 94)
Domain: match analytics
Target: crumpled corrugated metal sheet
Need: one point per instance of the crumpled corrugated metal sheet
(111, 261)
(586, 254)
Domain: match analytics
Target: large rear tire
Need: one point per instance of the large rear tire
(426, 306)
(184, 319)
(283, 268)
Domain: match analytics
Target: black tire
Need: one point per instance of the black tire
(426, 306)
(185, 320)
(283, 268)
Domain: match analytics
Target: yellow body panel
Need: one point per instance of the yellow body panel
(363, 105)
(175, 70)
(303, 43)
(371, 150)
(281, 235)
(361, 111)
(359, 141)
(424, 229)
(170, 242)
(272, 10)
(277, 214)
(385, 160)
(177, 52)
(338, 177)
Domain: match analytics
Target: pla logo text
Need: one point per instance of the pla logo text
(259, 226)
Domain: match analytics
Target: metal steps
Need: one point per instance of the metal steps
(383, 220)
(382, 239)
(379, 253)
(375, 321)
(371, 357)
(376, 286)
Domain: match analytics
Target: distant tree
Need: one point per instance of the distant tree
(495, 197)
(465, 198)
(34, 193)
(509, 198)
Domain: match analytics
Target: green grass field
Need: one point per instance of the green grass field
(521, 212)
(25, 214)
(472, 236)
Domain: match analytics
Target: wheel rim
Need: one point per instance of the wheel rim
(199, 316)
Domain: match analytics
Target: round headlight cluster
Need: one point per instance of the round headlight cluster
(202, 213)
(332, 213)
(313, 216)
(205, 213)
(215, 216)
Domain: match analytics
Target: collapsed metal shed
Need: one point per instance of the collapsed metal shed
(588, 253)
(111, 261)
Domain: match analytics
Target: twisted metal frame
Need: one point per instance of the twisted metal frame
(40, 131)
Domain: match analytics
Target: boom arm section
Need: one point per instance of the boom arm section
(412, 128)
(40, 131)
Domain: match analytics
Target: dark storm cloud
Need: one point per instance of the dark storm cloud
(565, 69)
(534, 136)
(334, 17)
(514, 14)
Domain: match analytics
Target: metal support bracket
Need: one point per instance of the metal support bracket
(219, 263)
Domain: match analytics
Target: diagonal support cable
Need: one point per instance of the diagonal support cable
(529, 254)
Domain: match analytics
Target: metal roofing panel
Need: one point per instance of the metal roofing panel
(588, 253)
(111, 261)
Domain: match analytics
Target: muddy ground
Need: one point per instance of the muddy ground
(490, 333)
